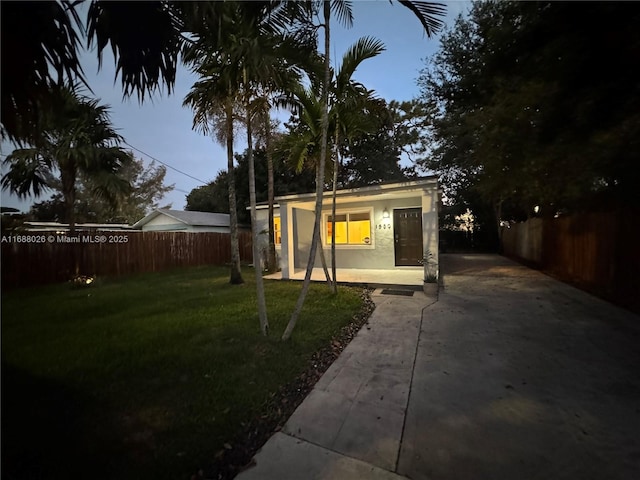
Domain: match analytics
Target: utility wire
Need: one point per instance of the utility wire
(153, 158)
(166, 164)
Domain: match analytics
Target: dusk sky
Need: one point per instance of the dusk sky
(162, 127)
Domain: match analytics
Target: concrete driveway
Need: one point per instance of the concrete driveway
(519, 376)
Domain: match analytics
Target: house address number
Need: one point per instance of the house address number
(383, 226)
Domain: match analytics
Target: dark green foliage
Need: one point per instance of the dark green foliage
(74, 139)
(213, 196)
(39, 50)
(147, 190)
(374, 157)
(537, 105)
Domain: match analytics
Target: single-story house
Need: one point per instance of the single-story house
(161, 220)
(382, 227)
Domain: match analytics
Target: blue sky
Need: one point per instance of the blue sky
(162, 127)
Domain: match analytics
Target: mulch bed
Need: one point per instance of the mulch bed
(238, 454)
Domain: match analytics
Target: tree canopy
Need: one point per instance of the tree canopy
(213, 196)
(536, 104)
(75, 139)
(147, 191)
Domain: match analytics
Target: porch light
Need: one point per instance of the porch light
(385, 213)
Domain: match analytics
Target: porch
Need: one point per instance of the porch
(406, 276)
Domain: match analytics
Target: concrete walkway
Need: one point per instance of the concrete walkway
(519, 376)
(511, 374)
(350, 425)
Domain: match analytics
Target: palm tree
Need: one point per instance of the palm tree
(75, 139)
(301, 147)
(265, 56)
(427, 12)
(247, 54)
(216, 112)
(348, 115)
(349, 99)
(344, 11)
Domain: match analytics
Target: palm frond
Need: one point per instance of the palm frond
(429, 14)
(344, 11)
(364, 48)
(39, 47)
(30, 172)
(145, 41)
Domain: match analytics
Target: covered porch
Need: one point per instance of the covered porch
(405, 276)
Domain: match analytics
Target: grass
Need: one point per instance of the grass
(147, 376)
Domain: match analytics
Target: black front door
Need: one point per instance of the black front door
(407, 231)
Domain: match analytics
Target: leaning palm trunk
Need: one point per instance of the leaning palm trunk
(323, 261)
(319, 176)
(333, 210)
(262, 304)
(323, 258)
(235, 276)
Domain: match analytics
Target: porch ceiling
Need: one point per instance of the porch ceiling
(310, 204)
(411, 276)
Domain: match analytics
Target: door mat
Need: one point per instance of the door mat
(404, 293)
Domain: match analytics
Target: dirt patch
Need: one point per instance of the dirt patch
(237, 455)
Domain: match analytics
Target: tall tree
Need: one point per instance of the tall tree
(523, 119)
(147, 190)
(263, 56)
(350, 113)
(373, 157)
(427, 13)
(345, 13)
(75, 138)
(301, 147)
(216, 112)
(213, 196)
(254, 53)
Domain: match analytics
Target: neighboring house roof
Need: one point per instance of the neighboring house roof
(57, 226)
(195, 219)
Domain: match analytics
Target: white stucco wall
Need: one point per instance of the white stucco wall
(297, 220)
(381, 253)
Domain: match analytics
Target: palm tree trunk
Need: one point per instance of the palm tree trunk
(271, 255)
(262, 304)
(235, 276)
(323, 261)
(320, 174)
(333, 210)
(68, 180)
(497, 211)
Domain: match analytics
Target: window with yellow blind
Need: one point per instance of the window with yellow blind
(277, 232)
(352, 228)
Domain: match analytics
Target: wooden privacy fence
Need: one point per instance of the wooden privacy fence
(35, 258)
(597, 251)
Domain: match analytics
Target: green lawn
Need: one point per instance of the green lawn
(147, 376)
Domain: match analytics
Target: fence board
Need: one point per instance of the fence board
(596, 251)
(51, 259)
